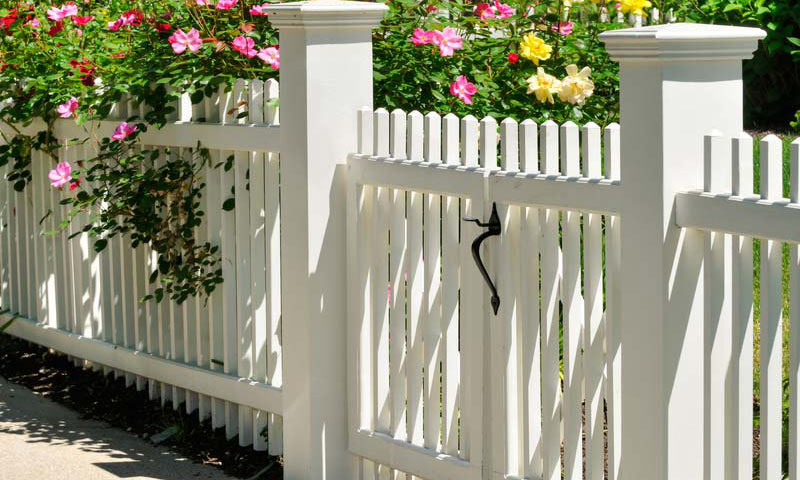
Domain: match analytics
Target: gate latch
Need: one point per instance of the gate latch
(494, 229)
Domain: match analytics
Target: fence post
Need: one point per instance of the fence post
(326, 76)
(678, 82)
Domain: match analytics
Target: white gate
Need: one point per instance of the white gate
(441, 387)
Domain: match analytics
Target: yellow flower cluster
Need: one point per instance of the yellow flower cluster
(575, 88)
(635, 7)
(534, 48)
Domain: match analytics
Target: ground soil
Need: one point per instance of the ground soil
(104, 398)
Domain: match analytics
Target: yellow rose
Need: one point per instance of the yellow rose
(543, 85)
(576, 87)
(534, 48)
(635, 7)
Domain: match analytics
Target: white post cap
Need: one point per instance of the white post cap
(682, 42)
(326, 14)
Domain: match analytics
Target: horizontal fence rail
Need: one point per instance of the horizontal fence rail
(427, 348)
(220, 358)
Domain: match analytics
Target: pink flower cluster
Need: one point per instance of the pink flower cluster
(463, 89)
(131, 17)
(448, 40)
(62, 175)
(226, 4)
(181, 40)
(57, 14)
(66, 109)
(258, 9)
(496, 9)
(123, 131)
(564, 27)
(247, 47)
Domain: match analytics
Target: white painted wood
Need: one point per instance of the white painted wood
(431, 321)
(509, 141)
(229, 290)
(272, 223)
(665, 71)
(469, 141)
(573, 312)
(365, 127)
(551, 273)
(740, 433)
(594, 327)
(432, 146)
(450, 141)
(380, 133)
(397, 134)
(416, 314)
(244, 300)
(416, 136)
(718, 325)
(451, 361)
(380, 308)
(488, 142)
(771, 320)
(5, 249)
(528, 147)
(398, 271)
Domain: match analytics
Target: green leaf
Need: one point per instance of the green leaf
(229, 204)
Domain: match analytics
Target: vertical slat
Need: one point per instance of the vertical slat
(740, 433)
(23, 262)
(36, 189)
(718, 326)
(432, 320)
(397, 287)
(51, 243)
(794, 328)
(13, 250)
(380, 309)
(273, 289)
(258, 264)
(229, 292)
(176, 322)
(551, 388)
(271, 110)
(432, 146)
(771, 320)
(573, 311)
(416, 306)
(594, 328)
(471, 317)
(415, 138)
(364, 204)
(530, 344)
(613, 384)
(451, 363)
(244, 310)
(397, 312)
(509, 141)
(139, 291)
(365, 127)
(5, 249)
(202, 329)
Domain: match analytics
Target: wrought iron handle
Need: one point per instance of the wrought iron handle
(494, 229)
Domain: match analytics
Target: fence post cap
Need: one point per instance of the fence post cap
(326, 14)
(682, 41)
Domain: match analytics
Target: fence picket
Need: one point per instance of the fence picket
(380, 303)
(771, 320)
(551, 384)
(594, 326)
(416, 315)
(432, 148)
(431, 322)
(451, 266)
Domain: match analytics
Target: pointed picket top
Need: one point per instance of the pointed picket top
(381, 133)
(433, 138)
(365, 131)
(548, 142)
(450, 134)
(397, 134)
(469, 141)
(771, 168)
(613, 151)
(528, 146)
(416, 134)
(570, 149)
(509, 145)
(488, 141)
(591, 144)
(742, 165)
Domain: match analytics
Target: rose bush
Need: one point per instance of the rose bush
(77, 59)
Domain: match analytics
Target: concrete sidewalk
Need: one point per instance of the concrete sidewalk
(40, 439)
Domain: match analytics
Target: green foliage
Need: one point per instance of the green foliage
(772, 78)
(417, 77)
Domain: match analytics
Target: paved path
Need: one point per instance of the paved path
(40, 439)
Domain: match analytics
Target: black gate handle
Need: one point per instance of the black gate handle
(494, 229)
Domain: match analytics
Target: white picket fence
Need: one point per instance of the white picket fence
(76, 294)
(354, 324)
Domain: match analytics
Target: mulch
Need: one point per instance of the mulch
(100, 397)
